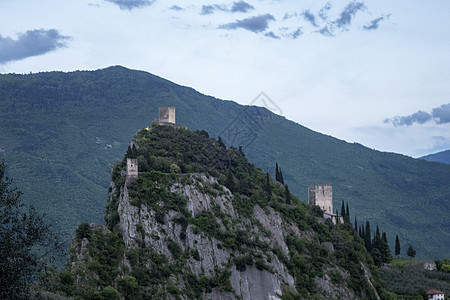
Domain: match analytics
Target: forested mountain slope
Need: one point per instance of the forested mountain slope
(61, 133)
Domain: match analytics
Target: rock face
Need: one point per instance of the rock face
(221, 230)
(252, 283)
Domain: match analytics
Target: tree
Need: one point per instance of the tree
(229, 183)
(356, 226)
(397, 246)
(367, 237)
(343, 210)
(386, 251)
(347, 213)
(277, 172)
(26, 242)
(221, 143)
(288, 195)
(241, 151)
(411, 252)
(376, 248)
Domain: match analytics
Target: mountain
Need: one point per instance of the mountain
(443, 157)
(62, 132)
(200, 222)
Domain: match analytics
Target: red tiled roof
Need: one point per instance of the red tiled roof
(434, 292)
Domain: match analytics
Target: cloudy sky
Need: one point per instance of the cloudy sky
(373, 72)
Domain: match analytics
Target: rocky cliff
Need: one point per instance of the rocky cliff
(200, 222)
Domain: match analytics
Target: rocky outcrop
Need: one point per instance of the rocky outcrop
(138, 223)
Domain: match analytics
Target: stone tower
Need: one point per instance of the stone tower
(167, 114)
(321, 195)
(132, 168)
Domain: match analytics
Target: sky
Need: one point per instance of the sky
(372, 72)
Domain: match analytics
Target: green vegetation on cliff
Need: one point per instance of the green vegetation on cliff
(162, 228)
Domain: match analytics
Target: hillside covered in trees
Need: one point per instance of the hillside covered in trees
(62, 132)
(201, 222)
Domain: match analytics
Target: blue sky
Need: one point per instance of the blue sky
(372, 72)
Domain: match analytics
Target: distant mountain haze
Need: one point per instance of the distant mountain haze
(443, 157)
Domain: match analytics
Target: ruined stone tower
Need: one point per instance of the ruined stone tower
(321, 195)
(167, 114)
(132, 168)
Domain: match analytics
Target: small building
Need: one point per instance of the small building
(435, 295)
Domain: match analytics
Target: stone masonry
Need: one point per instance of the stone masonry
(132, 168)
(322, 196)
(167, 114)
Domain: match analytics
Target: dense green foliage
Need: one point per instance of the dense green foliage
(61, 133)
(27, 242)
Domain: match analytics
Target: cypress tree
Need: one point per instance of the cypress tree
(347, 213)
(411, 252)
(221, 143)
(288, 195)
(386, 253)
(377, 234)
(241, 151)
(281, 176)
(343, 210)
(397, 246)
(377, 248)
(356, 225)
(277, 173)
(368, 238)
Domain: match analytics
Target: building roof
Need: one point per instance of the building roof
(434, 292)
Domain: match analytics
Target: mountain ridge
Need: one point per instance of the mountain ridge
(442, 157)
(63, 131)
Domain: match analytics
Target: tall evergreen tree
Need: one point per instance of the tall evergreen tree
(221, 143)
(281, 176)
(397, 246)
(343, 210)
(411, 252)
(356, 225)
(347, 213)
(368, 237)
(288, 194)
(386, 251)
(377, 248)
(241, 151)
(277, 173)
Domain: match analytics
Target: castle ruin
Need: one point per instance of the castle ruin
(132, 169)
(167, 115)
(322, 196)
